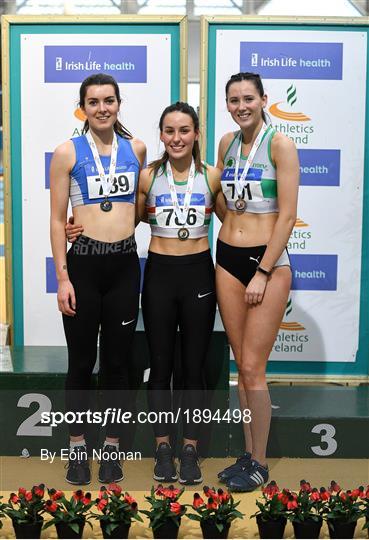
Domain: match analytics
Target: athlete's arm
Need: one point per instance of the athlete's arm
(224, 143)
(144, 183)
(284, 154)
(61, 164)
(139, 150)
(214, 175)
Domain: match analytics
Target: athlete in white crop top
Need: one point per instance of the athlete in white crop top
(260, 182)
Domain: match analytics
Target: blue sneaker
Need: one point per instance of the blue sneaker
(242, 462)
(249, 479)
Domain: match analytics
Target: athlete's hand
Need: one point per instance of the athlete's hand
(255, 289)
(66, 298)
(73, 231)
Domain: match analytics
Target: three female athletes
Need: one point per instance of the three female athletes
(252, 282)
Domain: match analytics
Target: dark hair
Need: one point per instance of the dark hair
(247, 76)
(185, 108)
(101, 79)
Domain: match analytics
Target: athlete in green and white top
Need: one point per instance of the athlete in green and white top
(260, 190)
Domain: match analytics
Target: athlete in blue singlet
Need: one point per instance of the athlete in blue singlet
(99, 277)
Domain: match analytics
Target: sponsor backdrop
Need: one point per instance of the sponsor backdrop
(315, 79)
(48, 62)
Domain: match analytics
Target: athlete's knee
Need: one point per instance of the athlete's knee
(252, 374)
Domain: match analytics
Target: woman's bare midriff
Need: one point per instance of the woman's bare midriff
(110, 226)
(246, 230)
(174, 246)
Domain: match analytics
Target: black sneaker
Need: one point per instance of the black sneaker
(164, 470)
(249, 479)
(78, 467)
(189, 471)
(110, 468)
(242, 462)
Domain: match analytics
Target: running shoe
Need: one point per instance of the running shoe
(165, 469)
(78, 472)
(242, 462)
(249, 479)
(110, 468)
(189, 470)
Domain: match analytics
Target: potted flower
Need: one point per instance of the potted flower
(306, 511)
(69, 517)
(117, 511)
(342, 510)
(25, 510)
(271, 517)
(165, 512)
(216, 514)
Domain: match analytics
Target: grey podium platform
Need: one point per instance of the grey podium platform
(307, 421)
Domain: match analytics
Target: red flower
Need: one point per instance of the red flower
(284, 496)
(197, 501)
(344, 496)
(14, 498)
(170, 492)
(271, 489)
(128, 499)
(291, 503)
(324, 494)
(223, 496)
(305, 486)
(87, 498)
(334, 487)
(28, 496)
(51, 506)
(101, 503)
(315, 495)
(78, 495)
(22, 491)
(103, 493)
(176, 508)
(39, 490)
(56, 494)
(115, 488)
(159, 491)
(212, 505)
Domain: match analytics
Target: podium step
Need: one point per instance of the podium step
(313, 422)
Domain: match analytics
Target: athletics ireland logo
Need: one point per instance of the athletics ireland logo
(275, 110)
(290, 326)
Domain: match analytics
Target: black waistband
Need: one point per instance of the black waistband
(88, 246)
(179, 259)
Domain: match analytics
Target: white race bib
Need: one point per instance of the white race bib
(250, 192)
(123, 184)
(166, 217)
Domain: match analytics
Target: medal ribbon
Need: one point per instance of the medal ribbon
(106, 182)
(181, 212)
(240, 183)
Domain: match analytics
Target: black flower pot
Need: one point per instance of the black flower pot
(168, 530)
(28, 530)
(119, 532)
(65, 531)
(339, 529)
(274, 528)
(308, 528)
(210, 530)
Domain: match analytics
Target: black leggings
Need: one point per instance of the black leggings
(106, 281)
(179, 291)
